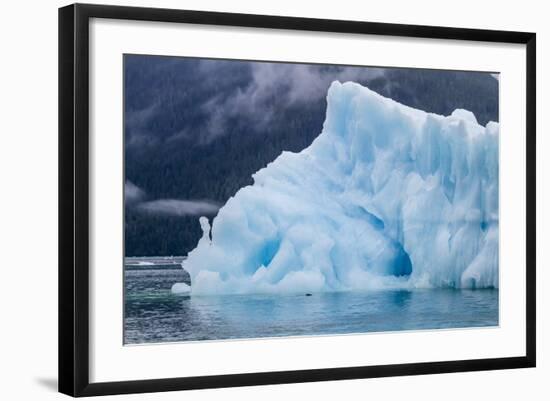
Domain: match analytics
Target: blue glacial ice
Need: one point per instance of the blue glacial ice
(386, 196)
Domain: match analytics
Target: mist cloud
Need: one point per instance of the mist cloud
(274, 86)
(132, 193)
(178, 207)
(202, 99)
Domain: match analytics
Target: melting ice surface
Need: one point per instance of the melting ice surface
(386, 196)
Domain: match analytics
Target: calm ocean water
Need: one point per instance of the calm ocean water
(154, 314)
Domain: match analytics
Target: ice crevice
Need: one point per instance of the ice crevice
(386, 196)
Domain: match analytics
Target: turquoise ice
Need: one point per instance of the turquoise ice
(386, 197)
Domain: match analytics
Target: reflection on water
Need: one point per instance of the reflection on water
(154, 314)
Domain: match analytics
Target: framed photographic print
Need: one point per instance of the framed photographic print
(250, 199)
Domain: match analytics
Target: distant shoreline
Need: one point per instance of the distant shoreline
(153, 262)
(154, 267)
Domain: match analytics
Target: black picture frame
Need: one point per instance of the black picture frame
(74, 198)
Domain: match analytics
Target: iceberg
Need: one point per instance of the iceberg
(386, 197)
(180, 288)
